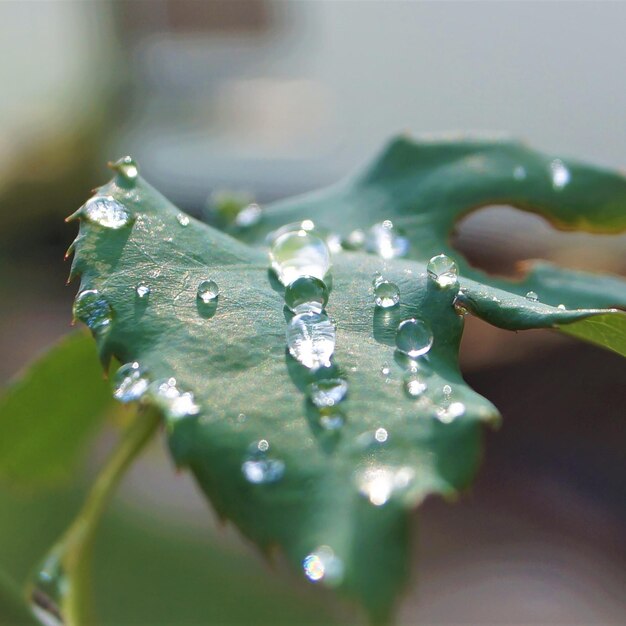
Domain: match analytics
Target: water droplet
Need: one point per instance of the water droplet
(333, 241)
(329, 392)
(414, 337)
(249, 216)
(387, 241)
(130, 382)
(127, 167)
(142, 290)
(386, 294)
(460, 307)
(299, 253)
(559, 173)
(183, 219)
(331, 418)
(48, 590)
(385, 370)
(259, 467)
(92, 309)
(414, 384)
(450, 411)
(208, 291)
(443, 270)
(378, 484)
(447, 390)
(311, 339)
(532, 296)
(381, 435)
(323, 566)
(106, 211)
(519, 173)
(306, 294)
(562, 307)
(292, 227)
(177, 404)
(355, 240)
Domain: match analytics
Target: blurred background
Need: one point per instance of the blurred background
(275, 98)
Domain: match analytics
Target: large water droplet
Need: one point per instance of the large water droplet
(299, 253)
(177, 404)
(183, 219)
(249, 216)
(106, 211)
(414, 337)
(414, 384)
(329, 392)
(386, 294)
(306, 294)
(92, 309)
(208, 291)
(532, 296)
(443, 270)
(143, 291)
(130, 382)
(559, 173)
(387, 241)
(259, 467)
(48, 589)
(379, 483)
(311, 339)
(323, 566)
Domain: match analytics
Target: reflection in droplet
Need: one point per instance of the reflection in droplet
(386, 294)
(379, 483)
(106, 211)
(448, 412)
(311, 339)
(299, 253)
(183, 219)
(559, 173)
(127, 167)
(443, 270)
(130, 382)
(91, 308)
(387, 241)
(208, 291)
(323, 566)
(306, 294)
(259, 467)
(414, 384)
(142, 290)
(532, 296)
(177, 404)
(381, 435)
(414, 337)
(292, 227)
(249, 216)
(328, 392)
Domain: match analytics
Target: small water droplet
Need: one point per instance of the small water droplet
(323, 566)
(329, 392)
(559, 173)
(386, 294)
(249, 216)
(311, 339)
(306, 294)
(127, 167)
(387, 241)
(130, 382)
(414, 337)
(106, 211)
(331, 418)
(259, 467)
(355, 240)
(92, 309)
(532, 296)
(177, 404)
(385, 370)
(450, 411)
(414, 384)
(299, 253)
(447, 390)
(443, 270)
(142, 290)
(460, 307)
(183, 219)
(378, 484)
(48, 590)
(208, 291)
(562, 307)
(381, 435)
(333, 241)
(519, 173)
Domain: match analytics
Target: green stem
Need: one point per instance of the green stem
(76, 545)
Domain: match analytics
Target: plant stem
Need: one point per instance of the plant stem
(76, 545)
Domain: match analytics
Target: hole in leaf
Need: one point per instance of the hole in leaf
(498, 239)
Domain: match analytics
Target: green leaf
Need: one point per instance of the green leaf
(308, 490)
(48, 412)
(13, 609)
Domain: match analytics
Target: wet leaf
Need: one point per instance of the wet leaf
(13, 609)
(335, 499)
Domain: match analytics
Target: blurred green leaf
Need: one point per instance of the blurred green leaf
(48, 412)
(344, 493)
(13, 608)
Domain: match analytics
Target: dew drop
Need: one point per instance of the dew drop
(414, 337)
(378, 484)
(387, 241)
(559, 173)
(306, 294)
(460, 307)
(127, 167)
(130, 382)
(259, 467)
(443, 270)
(414, 384)
(381, 435)
(331, 418)
(249, 216)
(450, 411)
(311, 339)
(385, 370)
(48, 590)
(386, 294)
(106, 211)
(532, 296)
(143, 291)
(178, 404)
(355, 240)
(183, 219)
(299, 253)
(329, 392)
(92, 309)
(208, 291)
(323, 566)
(562, 307)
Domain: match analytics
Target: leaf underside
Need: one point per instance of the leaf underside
(248, 388)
